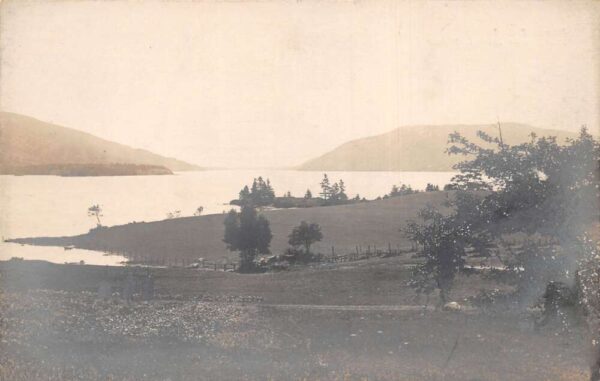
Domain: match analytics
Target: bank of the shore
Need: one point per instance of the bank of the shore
(367, 225)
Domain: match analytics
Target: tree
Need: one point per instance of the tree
(431, 188)
(199, 211)
(305, 235)
(342, 196)
(249, 234)
(325, 187)
(540, 186)
(537, 188)
(308, 194)
(95, 211)
(244, 194)
(334, 192)
(443, 240)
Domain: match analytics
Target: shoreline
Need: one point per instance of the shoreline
(346, 228)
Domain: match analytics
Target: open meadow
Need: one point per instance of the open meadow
(363, 226)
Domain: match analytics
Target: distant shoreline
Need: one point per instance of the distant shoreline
(85, 170)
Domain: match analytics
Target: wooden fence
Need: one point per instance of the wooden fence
(360, 253)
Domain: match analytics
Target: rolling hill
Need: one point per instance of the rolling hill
(415, 148)
(26, 142)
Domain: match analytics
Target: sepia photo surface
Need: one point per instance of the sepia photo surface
(300, 190)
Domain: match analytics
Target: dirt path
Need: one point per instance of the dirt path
(330, 307)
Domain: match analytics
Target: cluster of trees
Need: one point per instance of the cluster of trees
(249, 233)
(260, 194)
(401, 190)
(333, 193)
(536, 189)
(404, 190)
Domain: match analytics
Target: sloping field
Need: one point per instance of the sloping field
(374, 224)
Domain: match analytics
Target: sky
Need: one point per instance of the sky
(274, 83)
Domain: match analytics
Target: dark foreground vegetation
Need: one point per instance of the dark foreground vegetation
(79, 170)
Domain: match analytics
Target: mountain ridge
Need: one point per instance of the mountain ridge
(416, 148)
(26, 141)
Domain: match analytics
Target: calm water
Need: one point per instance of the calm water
(56, 206)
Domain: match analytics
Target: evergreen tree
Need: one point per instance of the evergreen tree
(260, 194)
(342, 191)
(245, 194)
(249, 234)
(325, 188)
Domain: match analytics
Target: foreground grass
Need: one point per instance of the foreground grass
(53, 335)
(218, 326)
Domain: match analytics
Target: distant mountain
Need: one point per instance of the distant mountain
(416, 148)
(26, 142)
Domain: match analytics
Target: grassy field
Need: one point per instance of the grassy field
(374, 224)
(226, 326)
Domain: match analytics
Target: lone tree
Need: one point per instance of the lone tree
(308, 194)
(199, 211)
(443, 242)
(249, 234)
(305, 235)
(95, 211)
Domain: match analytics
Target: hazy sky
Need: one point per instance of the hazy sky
(274, 83)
